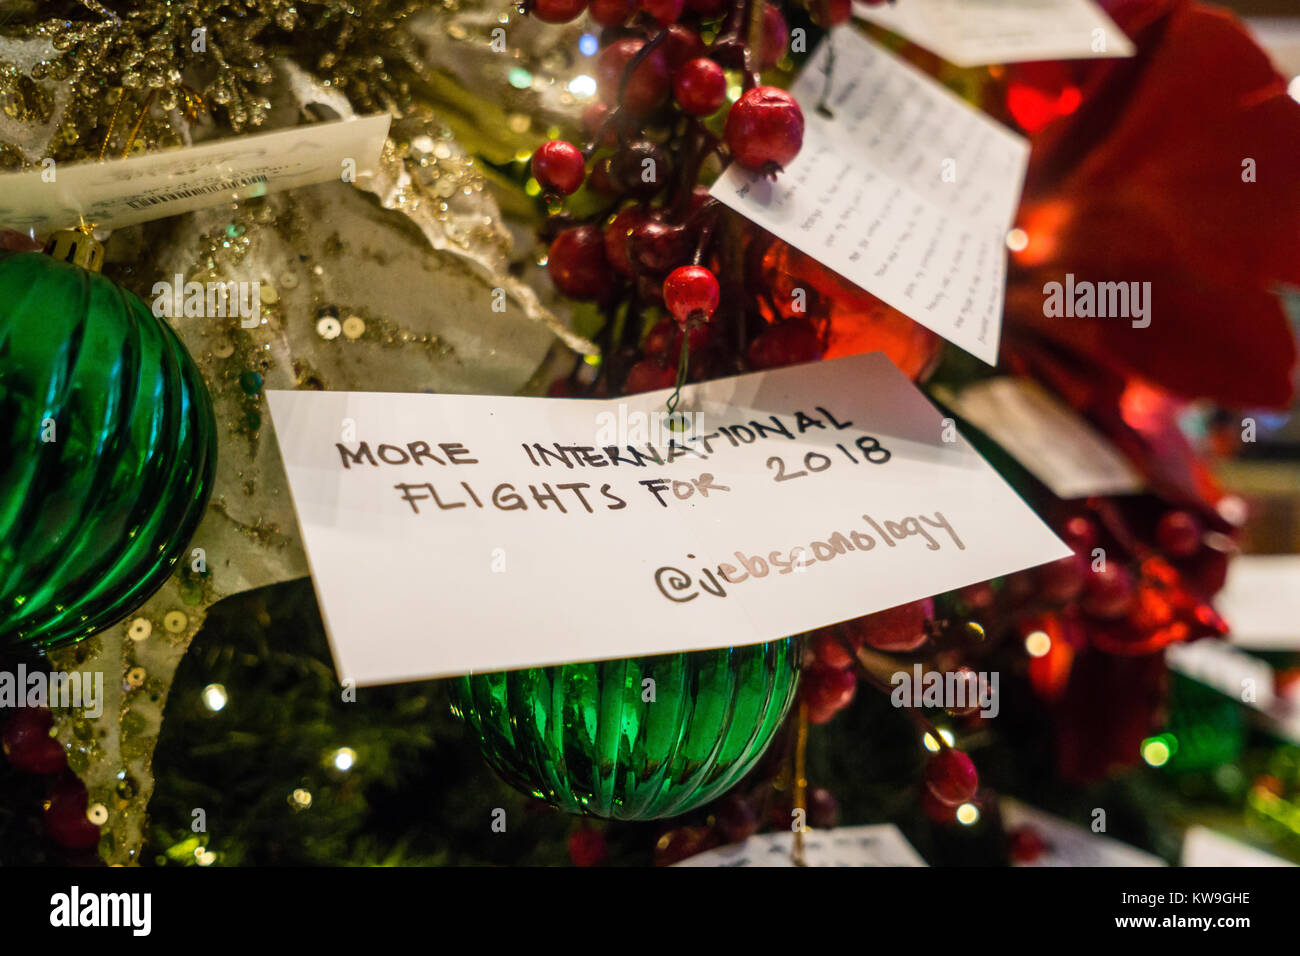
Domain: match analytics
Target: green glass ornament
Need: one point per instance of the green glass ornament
(107, 447)
(583, 738)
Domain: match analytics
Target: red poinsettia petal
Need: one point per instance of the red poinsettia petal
(1177, 170)
(1206, 339)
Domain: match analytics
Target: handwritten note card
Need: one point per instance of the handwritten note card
(121, 192)
(906, 191)
(450, 533)
(881, 844)
(1045, 435)
(980, 32)
(1069, 844)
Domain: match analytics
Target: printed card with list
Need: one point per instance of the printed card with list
(905, 190)
(983, 32)
(456, 533)
(123, 192)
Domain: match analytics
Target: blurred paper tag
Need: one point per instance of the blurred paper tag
(1261, 601)
(457, 533)
(121, 192)
(906, 191)
(1045, 435)
(877, 845)
(982, 32)
(1068, 844)
(1205, 847)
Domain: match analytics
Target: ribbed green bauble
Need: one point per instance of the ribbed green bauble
(588, 738)
(107, 447)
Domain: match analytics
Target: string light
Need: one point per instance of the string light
(932, 745)
(1037, 643)
(968, 814)
(214, 697)
(344, 758)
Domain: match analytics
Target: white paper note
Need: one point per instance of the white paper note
(121, 192)
(980, 32)
(1261, 601)
(907, 191)
(802, 497)
(1069, 844)
(1205, 847)
(1046, 436)
(877, 845)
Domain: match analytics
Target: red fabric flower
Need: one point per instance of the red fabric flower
(1149, 179)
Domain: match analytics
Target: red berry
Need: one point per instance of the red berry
(951, 777)
(786, 344)
(649, 375)
(676, 845)
(559, 167)
(764, 128)
(557, 11)
(691, 292)
(639, 169)
(699, 196)
(969, 686)
(899, 629)
(829, 649)
(647, 89)
(1080, 534)
(823, 808)
(658, 247)
(831, 13)
(664, 340)
(587, 847)
(827, 691)
(65, 815)
(600, 180)
(736, 819)
(1062, 580)
(935, 810)
(577, 263)
(700, 87)
(611, 13)
(681, 44)
(664, 11)
(593, 121)
(616, 233)
(776, 36)
(706, 8)
(1179, 534)
(27, 742)
(1024, 845)
(1109, 593)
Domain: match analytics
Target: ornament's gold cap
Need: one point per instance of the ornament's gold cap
(78, 247)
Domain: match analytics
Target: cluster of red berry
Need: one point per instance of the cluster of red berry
(652, 257)
(1138, 580)
(27, 743)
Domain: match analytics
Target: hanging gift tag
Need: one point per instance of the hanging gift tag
(905, 190)
(122, 192)
(981, 32)
(1261, 601)
(451, 533)
(1058, 447)
(1068, 844)
(877, 845)
(1206, 847)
